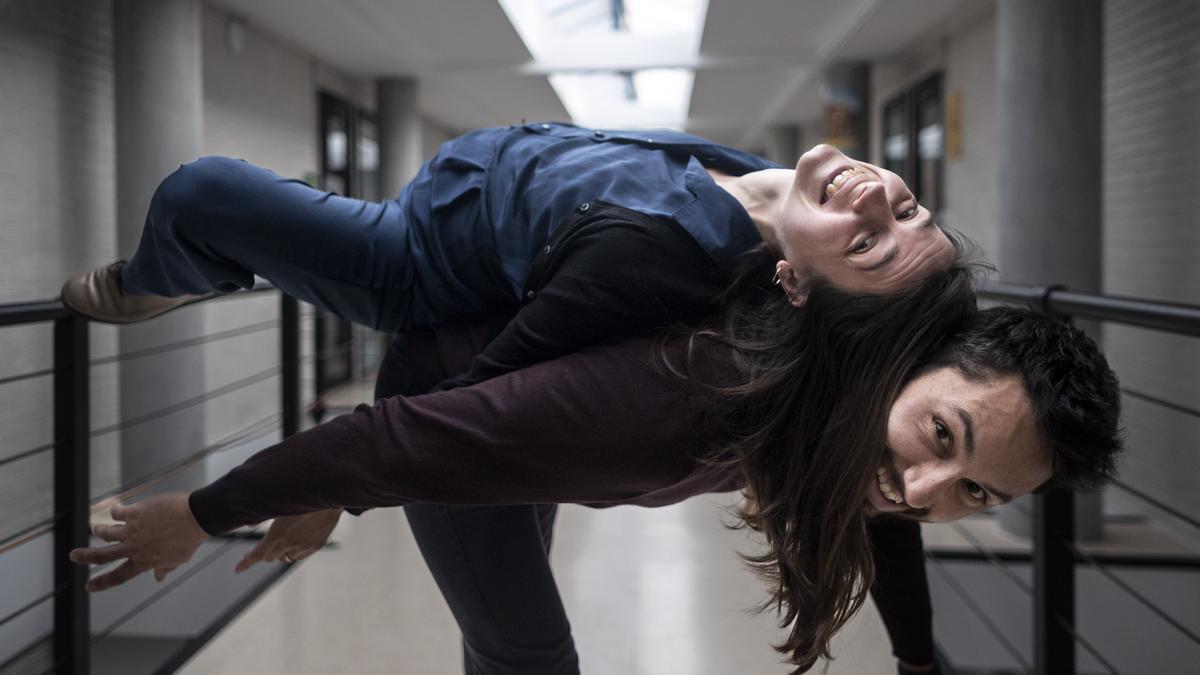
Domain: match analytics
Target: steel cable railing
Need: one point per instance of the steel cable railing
(1028, 590)
(26, 376)
(1179, 515)
(70, 638)
(248, 329)
(143, 483)
(980, 614)
(1160, 402)
(1136, 595)
(188, 403)
(25, 454)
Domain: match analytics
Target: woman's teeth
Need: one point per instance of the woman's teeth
(840, 180)
(885, 486)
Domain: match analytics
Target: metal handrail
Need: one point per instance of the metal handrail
(1165, 316)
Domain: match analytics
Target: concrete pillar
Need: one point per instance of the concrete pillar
(399, 133)
(1049, 69)
(159, 104)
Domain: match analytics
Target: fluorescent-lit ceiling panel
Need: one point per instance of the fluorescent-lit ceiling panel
(609, 60)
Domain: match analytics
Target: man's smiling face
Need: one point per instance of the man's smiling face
(956, 446)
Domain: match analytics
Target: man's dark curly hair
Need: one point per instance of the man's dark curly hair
(1074, 393)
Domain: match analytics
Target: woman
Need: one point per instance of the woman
(570, 236)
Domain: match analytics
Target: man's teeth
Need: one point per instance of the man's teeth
(885, 486)
(840, 180)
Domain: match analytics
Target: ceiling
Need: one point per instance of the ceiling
(759, 61)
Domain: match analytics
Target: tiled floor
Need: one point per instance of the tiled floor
(649, 591)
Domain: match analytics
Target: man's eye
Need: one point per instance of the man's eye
(942, 431)
(865, 245)
(907, 214)
(975, 492)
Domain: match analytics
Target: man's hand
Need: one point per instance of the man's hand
(292, 538)
(158, 533)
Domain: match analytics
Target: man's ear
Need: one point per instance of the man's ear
(794, 286)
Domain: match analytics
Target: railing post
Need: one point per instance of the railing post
(1053, 583)
(289, 363)
(72, 624)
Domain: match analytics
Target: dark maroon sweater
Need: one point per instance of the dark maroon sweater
(601, 427)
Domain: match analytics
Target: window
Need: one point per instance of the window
(913, 139)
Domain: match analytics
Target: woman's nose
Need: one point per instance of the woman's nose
(873, 201)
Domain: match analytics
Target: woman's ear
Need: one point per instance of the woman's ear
(794, 286)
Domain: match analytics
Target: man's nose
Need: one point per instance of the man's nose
(924, 483)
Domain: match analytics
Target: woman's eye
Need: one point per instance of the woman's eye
(865, 245)
(907, 214)
(974, 491)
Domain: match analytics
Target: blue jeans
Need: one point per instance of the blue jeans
(491, 563)
(216, 222)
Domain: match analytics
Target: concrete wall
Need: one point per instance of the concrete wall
(1152, 240)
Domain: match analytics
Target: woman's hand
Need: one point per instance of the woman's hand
(158, 533)
(292, 538)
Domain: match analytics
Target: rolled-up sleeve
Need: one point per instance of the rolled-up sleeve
(601, 425)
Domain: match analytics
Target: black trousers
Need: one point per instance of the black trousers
(491, 563)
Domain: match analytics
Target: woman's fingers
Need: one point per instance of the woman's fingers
(124, 572)
(101, 555)
(109, 533)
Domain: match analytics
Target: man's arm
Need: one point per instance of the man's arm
(600, 425)
(901, 590)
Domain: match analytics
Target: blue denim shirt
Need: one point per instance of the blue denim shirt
(491, 199)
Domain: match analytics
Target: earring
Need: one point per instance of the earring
(775, 278)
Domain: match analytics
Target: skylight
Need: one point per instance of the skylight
(615, 63)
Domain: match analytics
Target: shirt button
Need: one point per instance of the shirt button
(546, 127)
(598, 134)
(546, 249)
(583, 208)
(530, 295)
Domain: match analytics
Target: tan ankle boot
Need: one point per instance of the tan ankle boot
(97, 295)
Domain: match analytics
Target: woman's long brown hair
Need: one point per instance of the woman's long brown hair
(806, 425)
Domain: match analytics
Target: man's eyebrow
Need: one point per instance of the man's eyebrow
(969, 448)
(887, 258)
(968, 431)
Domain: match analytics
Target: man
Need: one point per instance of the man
(570, 235)
(1012, 402)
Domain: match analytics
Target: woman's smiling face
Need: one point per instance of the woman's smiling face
(857, 226)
